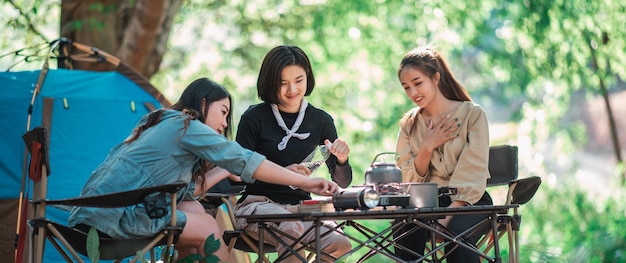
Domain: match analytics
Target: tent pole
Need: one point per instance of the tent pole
(19, 249)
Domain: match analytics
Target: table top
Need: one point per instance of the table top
(424, 212)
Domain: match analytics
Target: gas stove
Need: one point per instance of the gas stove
(401, 200)
(392, 194)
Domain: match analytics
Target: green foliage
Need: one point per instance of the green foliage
(584, 227)
(524, 61)
(210, 246)
(140, 257)
(93, 245)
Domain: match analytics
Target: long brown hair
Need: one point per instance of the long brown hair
(427, 60)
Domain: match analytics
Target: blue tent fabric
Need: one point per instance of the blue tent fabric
(91, 112)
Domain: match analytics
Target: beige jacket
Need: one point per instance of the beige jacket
(463, 163)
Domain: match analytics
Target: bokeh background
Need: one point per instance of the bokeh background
(550, 75)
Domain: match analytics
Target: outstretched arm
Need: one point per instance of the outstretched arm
(273, 173)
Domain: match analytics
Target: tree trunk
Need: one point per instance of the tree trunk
(605, 95)
(134, 31)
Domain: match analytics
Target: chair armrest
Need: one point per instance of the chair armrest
(118, 199)
(525, 189)
(214, 199)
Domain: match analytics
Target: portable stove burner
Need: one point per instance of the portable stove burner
(392, 195)
(389, 189)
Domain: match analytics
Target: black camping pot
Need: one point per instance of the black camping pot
(380, 173)
(422, 194)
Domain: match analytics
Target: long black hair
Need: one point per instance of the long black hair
(190, 103)
(191, 99)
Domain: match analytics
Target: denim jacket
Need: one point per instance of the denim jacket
(163, 154)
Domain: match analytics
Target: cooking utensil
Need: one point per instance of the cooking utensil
(425, 194)
(422, 194)
(380, 173)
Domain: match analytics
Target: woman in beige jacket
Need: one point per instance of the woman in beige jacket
(445, 140)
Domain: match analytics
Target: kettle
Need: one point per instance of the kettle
(380, 173)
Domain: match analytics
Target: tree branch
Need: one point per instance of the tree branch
(29, 22)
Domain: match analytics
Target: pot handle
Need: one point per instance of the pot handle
(383, 153)
(447, 191)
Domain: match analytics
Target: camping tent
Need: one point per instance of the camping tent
(86, 113)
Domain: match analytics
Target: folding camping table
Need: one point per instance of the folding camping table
(381, 242)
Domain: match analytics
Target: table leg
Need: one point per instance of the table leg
(433, 241)
(458, 240)
(318, 245)
(379, 242)
(282, 238)
(261, 253)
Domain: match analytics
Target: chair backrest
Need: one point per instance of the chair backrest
(503, 166)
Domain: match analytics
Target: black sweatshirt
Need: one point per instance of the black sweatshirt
(259, 131)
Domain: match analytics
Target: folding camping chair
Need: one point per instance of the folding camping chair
(503, 167)
(70, 240)
(234, 237)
